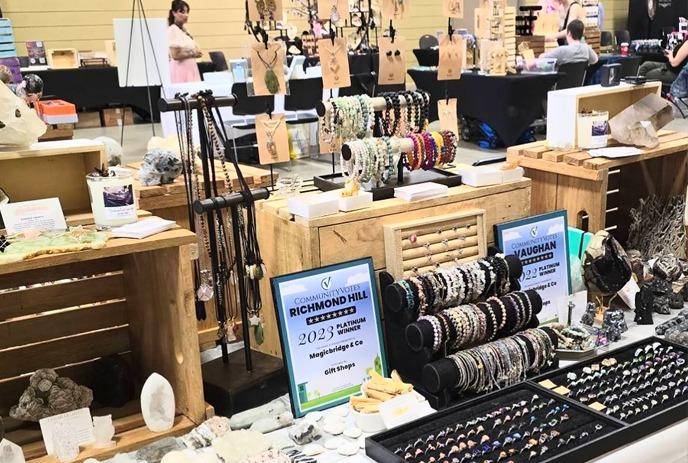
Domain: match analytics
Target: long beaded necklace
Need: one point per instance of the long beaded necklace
(249, 238)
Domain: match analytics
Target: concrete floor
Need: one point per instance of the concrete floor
(136, 138)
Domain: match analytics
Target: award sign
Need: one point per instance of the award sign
(331, 333)
(541, 242)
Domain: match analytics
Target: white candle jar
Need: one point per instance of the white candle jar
(113, 199)
(593, 128)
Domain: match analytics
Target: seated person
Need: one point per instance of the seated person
(668, 72)
(679, 88)
(575, 50)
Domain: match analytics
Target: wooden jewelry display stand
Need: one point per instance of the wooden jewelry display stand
(65, 311)
(421, 245)
(290, 243)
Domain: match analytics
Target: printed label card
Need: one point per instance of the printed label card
(446, 109)
(392, 68)
(334, 59)
(265, 10)
(452, 57)
(453, 8)
(273, 138)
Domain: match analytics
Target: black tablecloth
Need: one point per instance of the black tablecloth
(509, 104)
(98, 88)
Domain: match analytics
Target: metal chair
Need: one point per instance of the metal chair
(574, 74)
(606, 40)
(428, 41)
(622, 37)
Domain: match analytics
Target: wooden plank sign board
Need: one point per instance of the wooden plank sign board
(422, 245)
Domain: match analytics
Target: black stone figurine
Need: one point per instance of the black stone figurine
(643, 306)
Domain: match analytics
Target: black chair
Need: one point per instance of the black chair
(606, 39)
(573, 75)
(304, 95)
(428, 41)
(629, 65)
(218, 59)
(622, 37)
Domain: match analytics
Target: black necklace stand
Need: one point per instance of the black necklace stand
(233, 382)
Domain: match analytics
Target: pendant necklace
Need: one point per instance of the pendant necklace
(270, 127)
(333, 64)
(271, 81)
(455, 7)
(266, 9)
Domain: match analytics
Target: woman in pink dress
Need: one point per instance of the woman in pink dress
(183, 48)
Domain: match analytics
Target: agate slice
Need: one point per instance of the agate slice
(157, 404)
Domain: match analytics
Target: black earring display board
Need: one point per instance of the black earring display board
(406, 357)
(664, 414)
(593, 433)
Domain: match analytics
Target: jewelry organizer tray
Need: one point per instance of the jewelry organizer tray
(584, 433)
(667, 412)
(336, 181)
(421, 245)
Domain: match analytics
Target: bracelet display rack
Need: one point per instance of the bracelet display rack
(534, 422)
(403, 178)
(409, 341)
(421, 245)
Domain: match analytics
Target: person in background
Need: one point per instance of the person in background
(575, 50)
(183, 48)
(679, 87)
(574, 10)
(667, 72)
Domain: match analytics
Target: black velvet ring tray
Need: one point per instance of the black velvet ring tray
(382, 447)
(666, 414)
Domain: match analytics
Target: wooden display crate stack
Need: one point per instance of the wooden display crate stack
(420, 246)
(599, 193)
(592, 13)
(592, 38)
(134, 299)
(510, 34)
(535, 43)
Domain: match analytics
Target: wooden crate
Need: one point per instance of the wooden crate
(598, 193)
(58, 132)
(419, 246)
(535, 42)
(63, 58)
(291, 244)
(592, 38)
(64, 311)
(52, 169)
(169, 202)
(115, 117)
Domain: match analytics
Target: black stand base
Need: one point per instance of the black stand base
(337, 181)
(231, 389)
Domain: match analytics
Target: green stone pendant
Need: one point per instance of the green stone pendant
(271, 81)
(259, 334)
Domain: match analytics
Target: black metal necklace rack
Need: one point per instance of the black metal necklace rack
(223, 382)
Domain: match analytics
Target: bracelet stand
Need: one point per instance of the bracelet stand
(407, 361)
(337, 181)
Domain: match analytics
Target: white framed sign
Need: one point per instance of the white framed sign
(331, 332)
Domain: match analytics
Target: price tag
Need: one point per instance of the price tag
(597, 406)
(562, 390)
(548, 384)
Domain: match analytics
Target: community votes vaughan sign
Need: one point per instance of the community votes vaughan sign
(331, 332)
(541, 243)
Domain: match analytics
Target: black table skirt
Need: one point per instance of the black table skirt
(427, 56)
(509, 104)
(98, 88)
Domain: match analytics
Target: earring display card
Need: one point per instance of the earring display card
(265, 10)
(453, 8)
(392, 61)
(634, 384)
(273, 138)
(452, 57)
(449, 120)
(520, 424)
(395, 9)
(334, 59)
(333, 10)
(267, 68)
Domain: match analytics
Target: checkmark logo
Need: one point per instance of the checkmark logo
(326, 283)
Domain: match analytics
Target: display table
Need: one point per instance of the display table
(292, 244)
(508, 104)
(170, 202)
(600, 192)
(133, 298)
